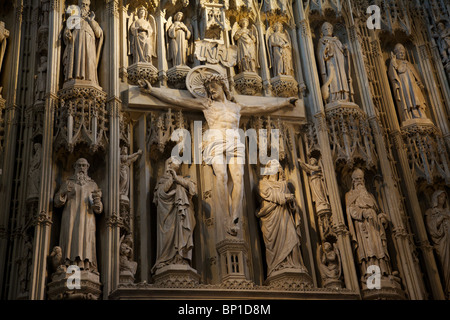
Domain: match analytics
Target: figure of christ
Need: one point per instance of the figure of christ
(222, 114)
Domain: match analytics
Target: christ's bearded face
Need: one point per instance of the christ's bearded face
(215, 91)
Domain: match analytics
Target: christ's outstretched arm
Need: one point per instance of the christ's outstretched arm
(271, 107)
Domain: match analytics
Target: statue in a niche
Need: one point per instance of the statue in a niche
(222, 114)
(246, 40)
(407, 86)
(330, 263)
(367, 225)
(125, 162)
(41, 79)
(331, 58)
(179, 35)
(127, 265)
(317, 183)
(143, 37)
(175, 220)
(34, 176)
(438, 223)
(280, 221)
(280, 50)
(81, 199)
(443, 40)
(83, 37)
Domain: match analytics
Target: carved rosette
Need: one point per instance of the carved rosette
(427, 154)
(350, 134)
(248, 83)
(142, 71)
(176, 76)
(81, 117)
(284, 86)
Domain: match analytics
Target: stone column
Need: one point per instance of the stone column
(114, 105)
(307, 53)
(44, 212)
(9, 104)
(160, 17)
(265, 72)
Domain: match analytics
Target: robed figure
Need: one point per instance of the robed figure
(367, 226)
(438, 223)
(175, 217)
(81, 199)
(407, 86)
(280, 50)
(246, 40)
(143, 37)
(317, 183)
(83, 37)
(280, 222)
(179, 35)
(331, 58)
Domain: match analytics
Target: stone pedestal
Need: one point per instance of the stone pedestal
(82, 116)
(284, 86)
(176, 76)
(142, 71)
(290, 279)
(390, 289)
(176, 276)
(333, 284)
(89, 289)
(232, 260)
(126, 277)
(248, 83)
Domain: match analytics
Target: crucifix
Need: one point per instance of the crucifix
(222, 114)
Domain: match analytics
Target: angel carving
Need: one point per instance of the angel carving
(143, 37)
(247, 44)
(178, 35)
(280, 50)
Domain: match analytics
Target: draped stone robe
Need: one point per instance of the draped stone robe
(279, 227)
(178, 43)
(368, 234)
(281, 56)
(246, 53)
(332, 65)
(438, 223)
(141, 44)
(405, 82)
(175, 221)
(82, 52)
(77, 237)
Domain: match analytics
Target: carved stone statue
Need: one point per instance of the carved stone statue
(179, 34)
(330, 263)
(127, 265)
(125, 163)
(143, 37)
(82, 53)
(41, 79)
(82, 200)
(280, 221)
(246, 40)
(443, 41)
(438, 223)
(45, 10)
(222, 114)
(331, 58)
(317, 183)
(407, 86)
(367, 226)
(25, 264)
(176, 220)
(280, 50)
(34, 175)
(4, 35)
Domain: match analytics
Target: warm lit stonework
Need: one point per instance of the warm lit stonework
(224, 149)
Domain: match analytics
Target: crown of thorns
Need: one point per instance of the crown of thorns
(215, 77)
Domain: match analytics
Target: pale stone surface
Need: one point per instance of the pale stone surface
(126, 161)
(318, 189)
(143, 37)
(81, 199)
(280, 50)
(246, 41)
(438, 223)
(179, 36)
(83, 46)
(176, 221)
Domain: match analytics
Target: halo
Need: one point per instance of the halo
(195, 79)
